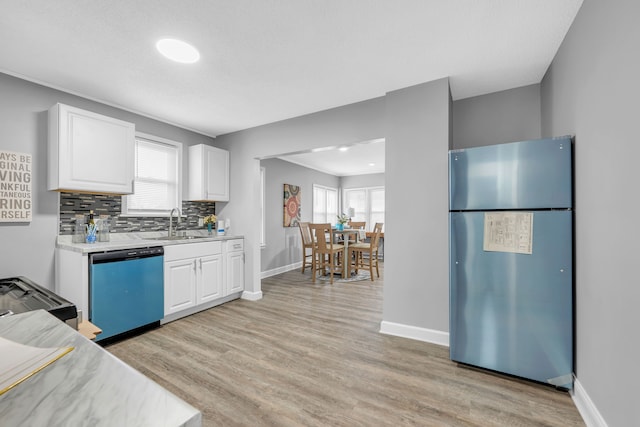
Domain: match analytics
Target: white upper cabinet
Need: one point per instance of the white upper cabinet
(89, 152)
(208, 173)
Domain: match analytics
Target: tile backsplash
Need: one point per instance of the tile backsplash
(72, 204)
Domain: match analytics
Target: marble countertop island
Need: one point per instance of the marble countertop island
(87, 387)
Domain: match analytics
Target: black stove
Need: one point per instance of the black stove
(19, 295)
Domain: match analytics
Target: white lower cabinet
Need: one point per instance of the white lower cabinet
(197, 276)
(193, 275)
(234, 253)
(201, 275)
(210, 268)
(179, 285)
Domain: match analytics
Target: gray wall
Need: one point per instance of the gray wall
(418, 120)
(510, 115)
(506, 116)
(362, 181)
(23, 108)
(414, 121)
(416, 290)
(352, 123)
(591, 90)
(283, 244)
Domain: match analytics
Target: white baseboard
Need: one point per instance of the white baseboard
(279, 270)
(586, 408)
(251, 296)
(415, 333)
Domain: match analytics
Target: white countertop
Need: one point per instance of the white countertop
(87, 387)
(136, 240)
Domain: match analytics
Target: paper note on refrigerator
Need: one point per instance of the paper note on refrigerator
(508, 232)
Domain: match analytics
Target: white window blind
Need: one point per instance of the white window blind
(157, 186)
(325, 204)
(368, 204)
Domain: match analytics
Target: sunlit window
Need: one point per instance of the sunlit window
(325, 204)
(367, 203)
(157, 185)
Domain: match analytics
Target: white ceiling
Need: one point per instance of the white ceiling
(363, 158)
(265, 61)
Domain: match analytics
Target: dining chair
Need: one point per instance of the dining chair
(371, 248)
(328, 256)
(307, 244)
(357, 225)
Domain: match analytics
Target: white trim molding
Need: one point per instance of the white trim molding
(251, 296)
(279, 270)
(586, 408)
(415, 333)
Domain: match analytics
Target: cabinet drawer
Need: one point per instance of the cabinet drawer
(191, 250)
(235, 245)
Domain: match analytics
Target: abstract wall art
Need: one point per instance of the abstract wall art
(291, 205)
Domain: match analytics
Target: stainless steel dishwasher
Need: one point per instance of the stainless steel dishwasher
(126, 290)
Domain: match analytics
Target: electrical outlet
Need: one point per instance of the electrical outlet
(200, 222)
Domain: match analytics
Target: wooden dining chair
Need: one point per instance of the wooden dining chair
(371, 248)
(307, 245)
(357, 225)
(328, 256)
(360, 225)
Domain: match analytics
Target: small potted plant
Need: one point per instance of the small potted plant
(210, 220)
(342, 220)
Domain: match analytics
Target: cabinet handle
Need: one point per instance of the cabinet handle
(195, 265)
(236, 246)
(200, 263)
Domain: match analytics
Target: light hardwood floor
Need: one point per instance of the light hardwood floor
(311, 355)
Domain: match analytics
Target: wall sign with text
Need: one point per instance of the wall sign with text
(15, 187)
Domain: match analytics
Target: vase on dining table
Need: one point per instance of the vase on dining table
(340, 226)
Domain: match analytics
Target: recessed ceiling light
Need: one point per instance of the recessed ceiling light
(372, 164)
(343, 148)
(177, 50)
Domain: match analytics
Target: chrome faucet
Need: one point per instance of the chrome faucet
(172, 232)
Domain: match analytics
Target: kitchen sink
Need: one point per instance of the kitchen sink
(177, 237)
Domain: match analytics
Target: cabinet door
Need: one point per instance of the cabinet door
(235, 272)
(208, 173)
(217, 174)
(210, 284)
(90, 152)
(179, 285)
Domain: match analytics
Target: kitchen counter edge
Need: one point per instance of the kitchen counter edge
(135, 240)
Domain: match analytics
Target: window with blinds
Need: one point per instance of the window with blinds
(367, 203)
(325, 204)
(157, 186)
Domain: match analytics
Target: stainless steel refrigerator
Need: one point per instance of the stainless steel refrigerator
(511, 259)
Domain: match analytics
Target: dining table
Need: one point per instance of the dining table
(346, 232)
